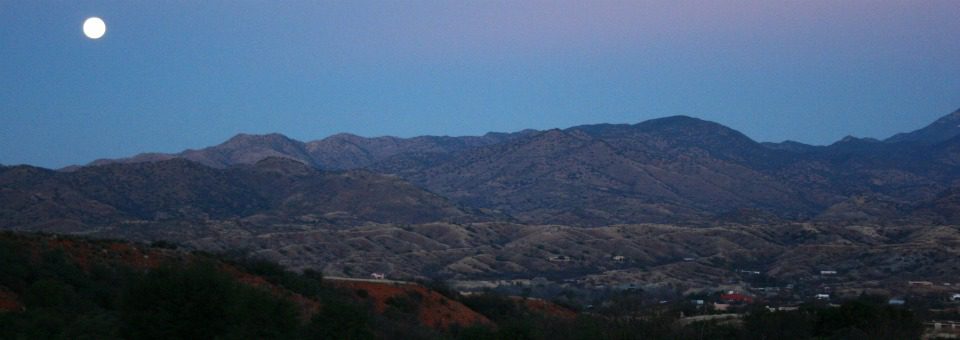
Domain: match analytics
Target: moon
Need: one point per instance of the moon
(94, 28)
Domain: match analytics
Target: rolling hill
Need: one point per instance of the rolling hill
(674, 169)
(278, 189)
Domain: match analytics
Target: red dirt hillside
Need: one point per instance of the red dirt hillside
(9, 302)
(546, 308)
(139, 256)
(435, 310)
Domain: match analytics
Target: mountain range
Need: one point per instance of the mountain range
(681, 201)
(272, 189)
(674, 169)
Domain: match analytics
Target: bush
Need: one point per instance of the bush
(200, 302)
(339, 319)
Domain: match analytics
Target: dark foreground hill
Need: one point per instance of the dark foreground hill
(68, 288)
(71, 288)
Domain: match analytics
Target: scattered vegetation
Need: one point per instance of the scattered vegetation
(60, 290)
(82, 295)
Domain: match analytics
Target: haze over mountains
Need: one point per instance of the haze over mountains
(674, 169)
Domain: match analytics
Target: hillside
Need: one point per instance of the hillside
(674, 169)
(654, 256)
(939, 131)
(338, 152)
(76, 288)
(275, 189)
(684, 201)
(669, 170)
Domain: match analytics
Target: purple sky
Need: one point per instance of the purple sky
(187, 74)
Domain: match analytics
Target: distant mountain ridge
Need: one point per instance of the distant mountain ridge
(277, 189)
(943, 129)
(685, 202)
(338, 152)
(677, 168)
(662, 170)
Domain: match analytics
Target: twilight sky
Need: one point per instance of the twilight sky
(173, 75)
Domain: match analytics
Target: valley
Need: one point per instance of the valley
(672, 206)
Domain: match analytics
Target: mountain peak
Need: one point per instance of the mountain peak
(246, 139)
(942, 129)
(343, 135)
(853, 139)
(677, 120)
(685, 123)
(673, 125)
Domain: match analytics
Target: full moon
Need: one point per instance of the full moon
(94, 28)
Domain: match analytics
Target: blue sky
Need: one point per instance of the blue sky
(173, 75)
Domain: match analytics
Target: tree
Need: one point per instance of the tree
(199, 301)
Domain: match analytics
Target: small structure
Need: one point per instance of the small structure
(828, 272)
(955, 298)
(783, 308)
(378, 276)
(920, 283)
(942, 329)
(823, 296)
(619, 258)
(559, 258)
(736, 298)
(896, 302)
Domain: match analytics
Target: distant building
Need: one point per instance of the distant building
(828, 272)
(378, 276)
(619, 258)
(896, 302)
(823, 296)
(955, 297)
(920, 283)
(736, 298)
(559, 258)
